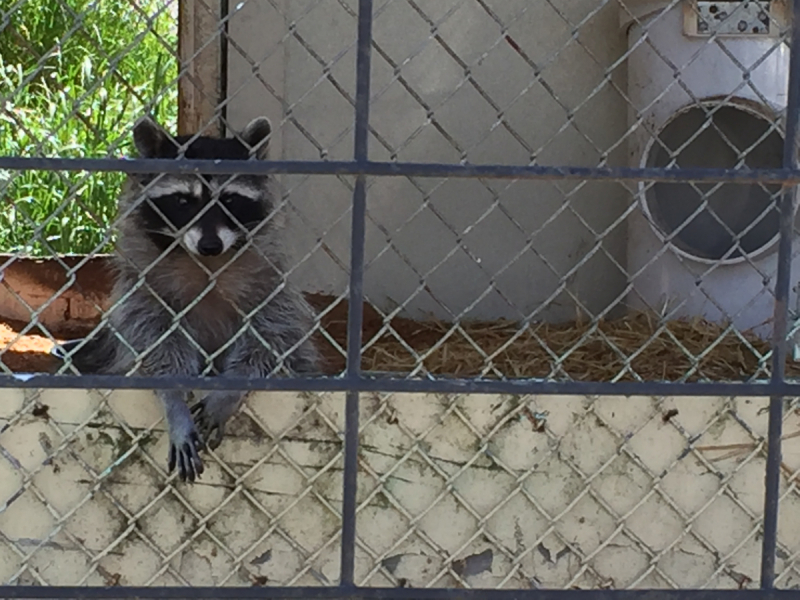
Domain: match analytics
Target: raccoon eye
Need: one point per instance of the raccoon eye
(185, 200)
(229, 198)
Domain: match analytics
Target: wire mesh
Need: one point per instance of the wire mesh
(548, 264)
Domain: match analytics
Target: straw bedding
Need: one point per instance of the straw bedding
(577, 350)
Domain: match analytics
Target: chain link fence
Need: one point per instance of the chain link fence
(526, 322)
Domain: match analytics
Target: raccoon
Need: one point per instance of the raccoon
(199, 286)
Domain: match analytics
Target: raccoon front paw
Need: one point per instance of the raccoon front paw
(212, 413)
(184, 447)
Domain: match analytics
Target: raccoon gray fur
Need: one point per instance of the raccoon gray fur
(265, 336)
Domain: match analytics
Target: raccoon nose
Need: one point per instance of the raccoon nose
(209, 246)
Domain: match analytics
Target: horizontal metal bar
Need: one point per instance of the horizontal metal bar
(351, 593)
(223, 167)
(372, 383)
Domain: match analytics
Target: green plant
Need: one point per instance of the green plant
(74, 76)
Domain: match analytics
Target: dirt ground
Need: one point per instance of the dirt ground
(27, 354)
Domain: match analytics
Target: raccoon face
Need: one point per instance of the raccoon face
(211, 214)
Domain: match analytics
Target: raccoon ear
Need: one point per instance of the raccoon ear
(149, 138)
(256, 135)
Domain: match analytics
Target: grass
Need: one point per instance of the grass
(74, 76)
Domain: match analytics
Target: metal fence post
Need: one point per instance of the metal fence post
(781, 318)
(356, 296)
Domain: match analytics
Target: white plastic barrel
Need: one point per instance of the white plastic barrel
(706, 250)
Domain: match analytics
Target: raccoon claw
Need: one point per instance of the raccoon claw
(209, 427)
(215, 435)
(184, 455)
(210, 416)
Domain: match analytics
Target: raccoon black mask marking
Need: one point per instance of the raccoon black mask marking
(211, 215)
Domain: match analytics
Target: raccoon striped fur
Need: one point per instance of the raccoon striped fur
(199, 286)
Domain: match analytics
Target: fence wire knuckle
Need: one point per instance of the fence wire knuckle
(399, 299)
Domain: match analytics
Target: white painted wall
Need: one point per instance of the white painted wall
(454, 491)
(457, 235)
